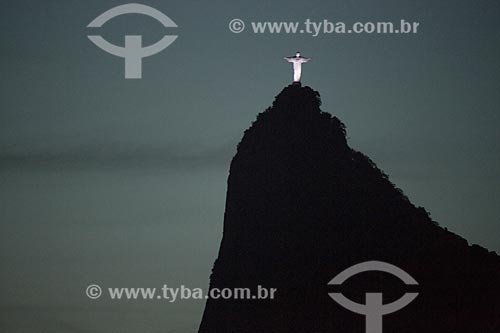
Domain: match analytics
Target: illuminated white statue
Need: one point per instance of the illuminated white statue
(297, 61)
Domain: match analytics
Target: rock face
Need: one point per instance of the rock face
(302, 206)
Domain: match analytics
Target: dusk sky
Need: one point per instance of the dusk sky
(122, 183)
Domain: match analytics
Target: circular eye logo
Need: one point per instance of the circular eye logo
(133, 52)
(374, 309)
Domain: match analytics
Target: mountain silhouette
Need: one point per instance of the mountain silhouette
(302, 206)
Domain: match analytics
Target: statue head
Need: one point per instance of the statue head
(297, 54)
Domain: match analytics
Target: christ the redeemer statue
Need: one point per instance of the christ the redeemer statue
(297, 61)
